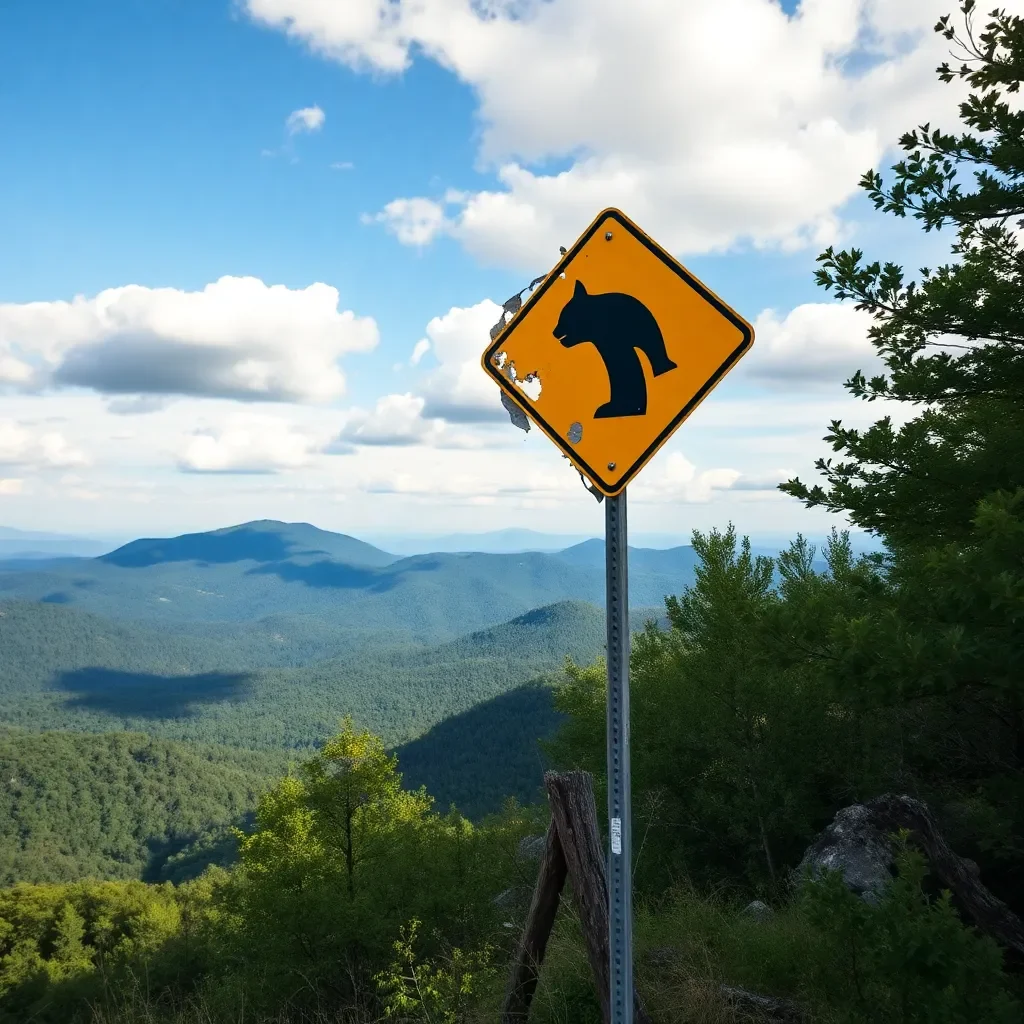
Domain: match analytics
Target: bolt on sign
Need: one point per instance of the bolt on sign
(617, 346)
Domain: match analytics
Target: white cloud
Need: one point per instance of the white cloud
(308, 119)
(677, 480)
(708, 122)
(458, 389)
(21, 447)
(483, 480)
(421, 348)
(247, 444)
(396, 420)
(818, 343)
(399, 421)
(14, 371)
(342, 165)
(15, 442)
(546, 481)
(766, 481)
(237, 338)
(11, 486)
(412, 221)
(57, 452)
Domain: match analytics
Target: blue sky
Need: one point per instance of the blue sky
(145, 144)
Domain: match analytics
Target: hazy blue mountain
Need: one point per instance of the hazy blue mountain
(262, 541)
(259, 570)
(648, 566)
(513, 541)
(504, 542)
(10, 533)
(34, 544)
(659, 561)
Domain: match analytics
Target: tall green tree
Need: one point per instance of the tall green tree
(944, 648)
(953, 342)
(355, 789)
(341, 857)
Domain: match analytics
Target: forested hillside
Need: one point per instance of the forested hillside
(124, 805)
(116, 805)
(64, 669)
(478, 758)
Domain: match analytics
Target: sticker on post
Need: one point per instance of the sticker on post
(617, 836)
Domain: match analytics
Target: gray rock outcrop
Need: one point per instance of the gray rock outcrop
(854, 846)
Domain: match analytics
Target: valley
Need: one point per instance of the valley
(186, 672)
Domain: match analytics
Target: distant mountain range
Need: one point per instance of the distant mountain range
(33, 545)
(260, 569)
(27, 544)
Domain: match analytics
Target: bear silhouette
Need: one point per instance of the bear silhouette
(617, 325)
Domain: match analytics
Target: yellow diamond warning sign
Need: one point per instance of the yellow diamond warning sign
(617, 346)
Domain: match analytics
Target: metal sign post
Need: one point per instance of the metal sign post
(620, 875)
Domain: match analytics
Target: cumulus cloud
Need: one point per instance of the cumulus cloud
(415, 221)
(481, 482)
(421, 348)
(395, 420)
(58, 452)
(399, 421)
(544, 482)
(677, 479)
(308, 119)
(20, 446)
(767, 481)
(14, 371)
(458, 390)
(818, 343)
(237, 338)
(708, 122)
(246, 444)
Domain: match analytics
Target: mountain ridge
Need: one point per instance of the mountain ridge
(261, 540)
(256, 570)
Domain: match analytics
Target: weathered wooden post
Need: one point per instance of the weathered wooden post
(572, 850)
(539, 922)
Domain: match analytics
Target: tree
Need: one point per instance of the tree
(943, 645)
(341, 857)
(355, 789)
(953, 343)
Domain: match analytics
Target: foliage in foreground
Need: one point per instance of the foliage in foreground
(120, 952)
